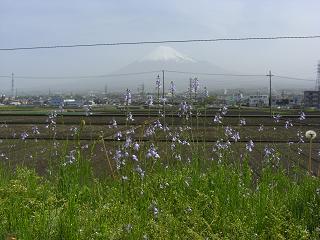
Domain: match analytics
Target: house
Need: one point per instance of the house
(258, 100)
(312, 99)
(56, 101)
(72, 103)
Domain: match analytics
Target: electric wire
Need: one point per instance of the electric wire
(217, 74)
(294, 78)
(80, 77)
(156, 71)
(159, 42)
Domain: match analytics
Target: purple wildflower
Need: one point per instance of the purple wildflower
(302, 116)
(35, 130)
(24, 135)
(260, 129)
(172, 88)
(276, 118)
(113, 124)
(152, 152)
(250, 146)
(136, 146)
(150, 100)
(242, 122)
(127, 97)
(217, 118)
(288, 124)
(135, 158)
(140, 171)
(118, 136)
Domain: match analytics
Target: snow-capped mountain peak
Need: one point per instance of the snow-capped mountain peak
(164, 53)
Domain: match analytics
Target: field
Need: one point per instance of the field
(198, 131)
(178, 174)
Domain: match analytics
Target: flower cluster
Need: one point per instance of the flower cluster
(150, 100)
(127, 97)
(276, 118)
(300, 136)
(206, 92)
(130, 117)
(113, 124)
(221, 145)
(302, 116)
(288, 124)
(152, 152)
(195, 85)
(35, 130)
(242, 122)
(185, 110)
(217, 118)
(172, 88)
(158, 83)
(24, 135)
(233, 134)
(250, 146)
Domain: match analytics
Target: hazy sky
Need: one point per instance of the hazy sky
(44, 22)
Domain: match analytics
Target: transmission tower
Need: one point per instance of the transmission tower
(105, 89)
(141, 90)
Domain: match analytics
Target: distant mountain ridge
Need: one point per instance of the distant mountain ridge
(168, 58)
(164, 58)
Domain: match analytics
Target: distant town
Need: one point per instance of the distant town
(232, 97)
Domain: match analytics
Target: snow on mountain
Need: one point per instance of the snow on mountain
(164, 53)
(166, 58)
(161, 58)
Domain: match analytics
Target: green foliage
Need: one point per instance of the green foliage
(184, 202)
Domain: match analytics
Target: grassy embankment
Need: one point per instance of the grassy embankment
(183, 201)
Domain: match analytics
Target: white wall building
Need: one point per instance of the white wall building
(258, 100)
(72, 103)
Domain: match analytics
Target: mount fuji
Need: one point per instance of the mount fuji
(163, 58)
(167, 58)
(178, 68)
(165, 54)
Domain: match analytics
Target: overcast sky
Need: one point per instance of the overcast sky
(44, 22)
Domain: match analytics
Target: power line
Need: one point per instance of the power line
(159, 42)
(217, 74)
(81, 77)
(294, 78)
(155, 71)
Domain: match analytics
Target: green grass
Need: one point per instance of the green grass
(198, 195)
(184, 201)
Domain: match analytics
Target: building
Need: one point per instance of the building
(56, 101)
(296, 101)
(312, 99)
(258, 100)
(73, 103)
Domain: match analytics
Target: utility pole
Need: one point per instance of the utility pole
(164, 103)
(270, 95)
(158, 88)
(12, 85)
(162, 85)
(190, 89)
